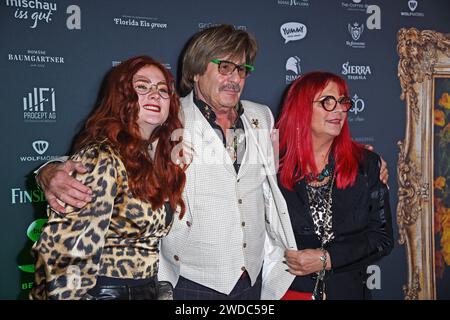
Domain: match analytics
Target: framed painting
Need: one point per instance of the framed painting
(423, 212)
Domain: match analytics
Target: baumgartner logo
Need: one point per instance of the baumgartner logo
(35, 58)
(293, 69)
(39, 147)
(293, 3)
(33, 10)
(293, 31)
(354, 114)
(355, 72)
(39, 105)
(412, 5)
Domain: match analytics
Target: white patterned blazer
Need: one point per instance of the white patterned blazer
(233, 221)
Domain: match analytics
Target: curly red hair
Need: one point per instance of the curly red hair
(152, 180)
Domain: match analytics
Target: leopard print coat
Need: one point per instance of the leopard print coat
(115, 235)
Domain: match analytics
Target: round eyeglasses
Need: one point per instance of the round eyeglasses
(329, 103)
(228, 67)
(143, 87)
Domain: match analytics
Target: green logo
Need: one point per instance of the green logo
(35, 228)
(33, 232)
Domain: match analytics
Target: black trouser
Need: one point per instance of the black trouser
(118, 289)
(243, 290)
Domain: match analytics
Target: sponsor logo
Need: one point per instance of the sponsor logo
(354, 114)
(139, 22)
(39, 105)
(34, 10)
(293, 3)
(205, 25)
(374, 12)
(40, 147)
(373, 281)
(115, 63)
(365, 140)
(355, 72)
(19, 196)
(73, 21)
(35, 58)
(293, 69)
(355, 5)
(293, 31)
(412, 6)
(355, 30)
(33, 232)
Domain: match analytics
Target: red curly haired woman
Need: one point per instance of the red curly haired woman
(109, 248)
(338, 206)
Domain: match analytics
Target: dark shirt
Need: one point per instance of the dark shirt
(235, 144)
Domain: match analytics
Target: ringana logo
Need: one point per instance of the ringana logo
(293, 31)
(293, 69)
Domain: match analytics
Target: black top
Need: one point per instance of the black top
(362, 228)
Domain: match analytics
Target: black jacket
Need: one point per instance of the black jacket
(362, 227)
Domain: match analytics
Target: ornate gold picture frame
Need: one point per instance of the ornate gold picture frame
(424, 57)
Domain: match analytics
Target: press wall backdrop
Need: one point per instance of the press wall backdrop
(54, 55)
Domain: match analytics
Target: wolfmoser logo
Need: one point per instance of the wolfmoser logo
(40, 146)
(33, 232)
(293, 31)
(412, 5)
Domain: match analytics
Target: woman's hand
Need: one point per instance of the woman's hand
(304, 262)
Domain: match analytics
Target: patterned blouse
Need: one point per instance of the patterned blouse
(319, 202)
(115, 235)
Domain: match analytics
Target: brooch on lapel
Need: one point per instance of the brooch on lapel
(255, 123)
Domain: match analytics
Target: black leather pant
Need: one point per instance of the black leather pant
(153, 290)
